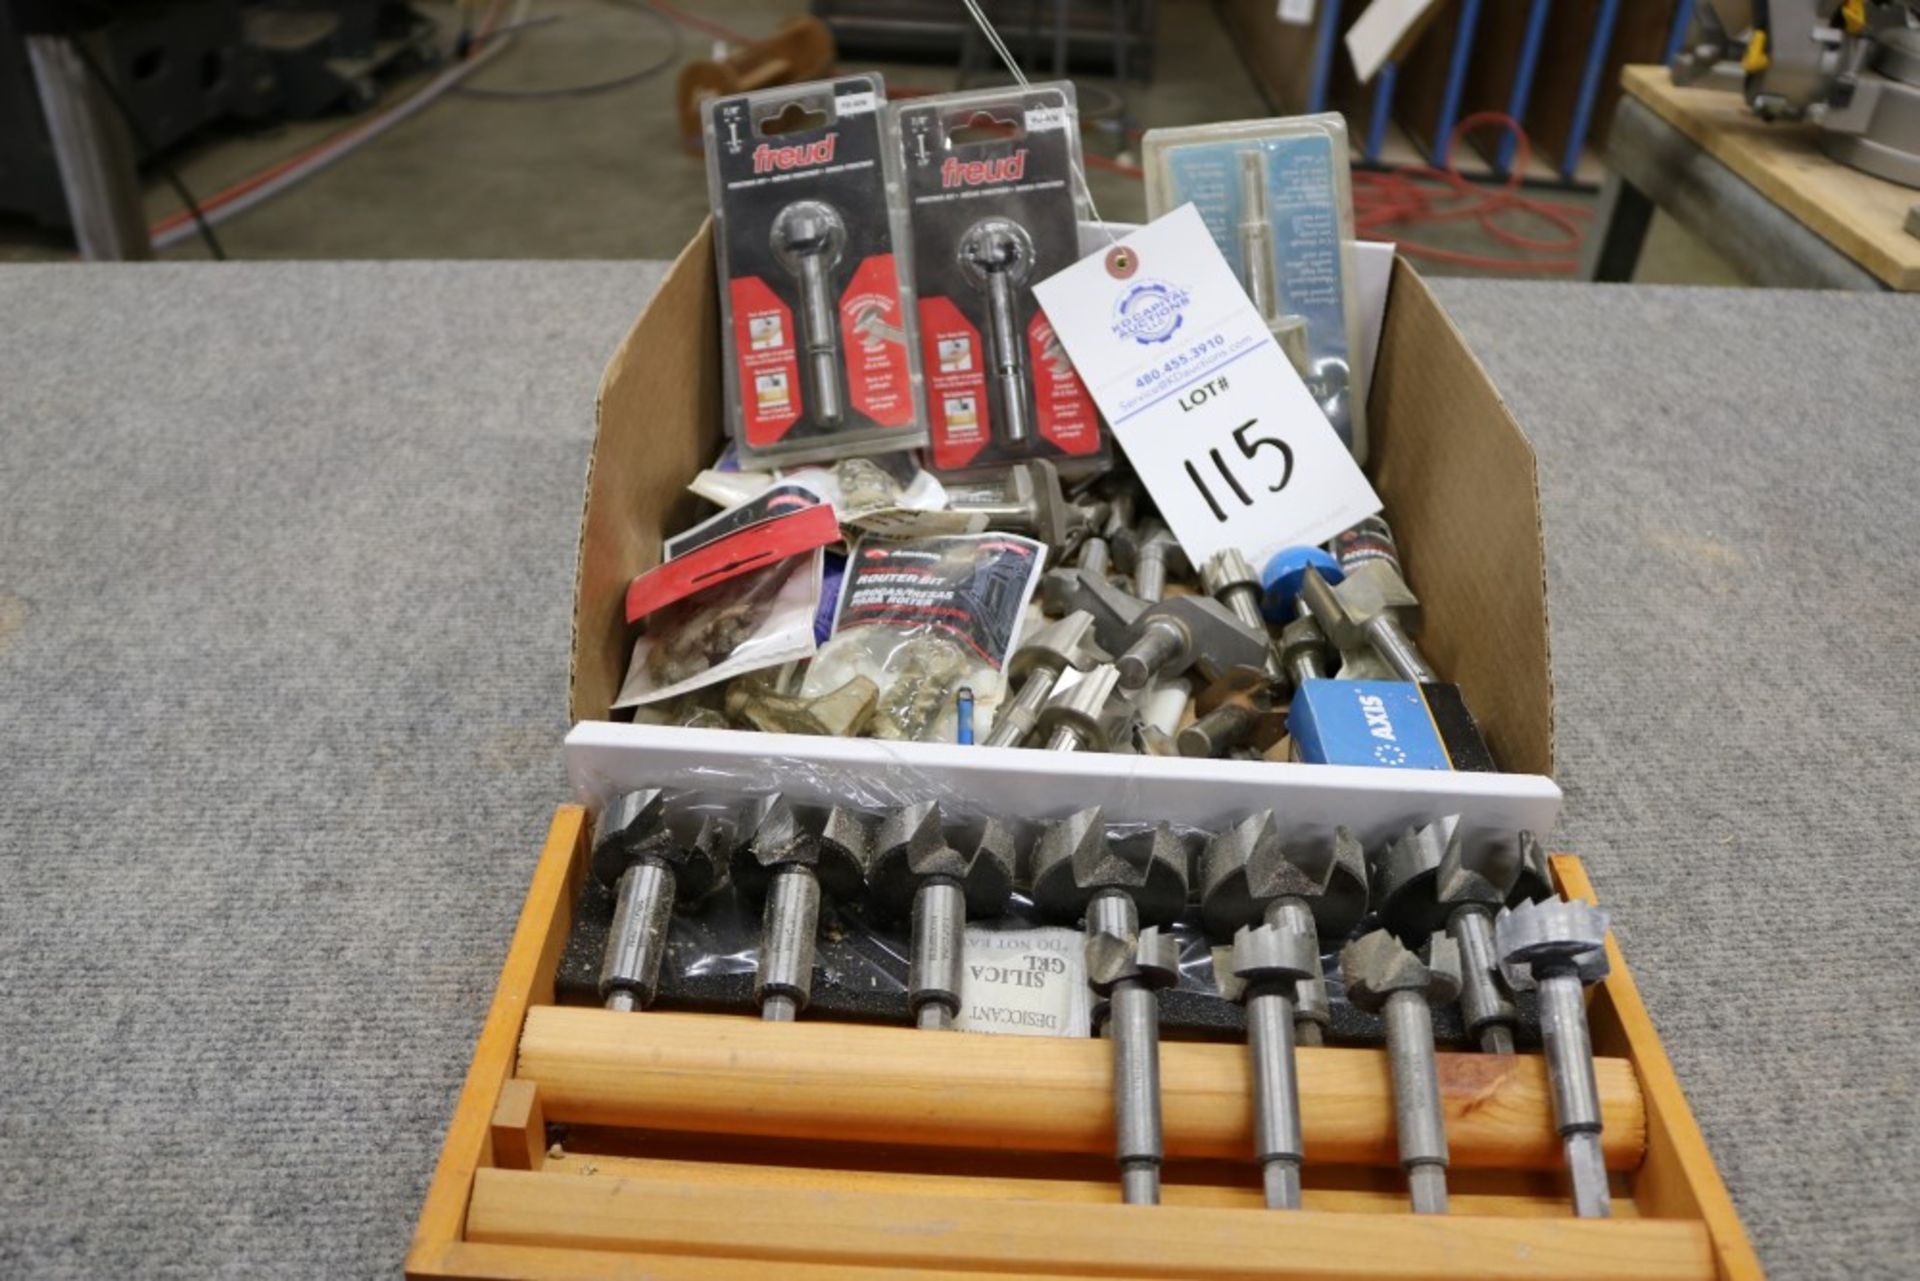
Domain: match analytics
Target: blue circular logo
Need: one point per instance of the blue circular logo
(1149, 312)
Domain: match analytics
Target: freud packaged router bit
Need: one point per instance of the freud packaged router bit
(820, 355)
(991, 185)
(1277, 197)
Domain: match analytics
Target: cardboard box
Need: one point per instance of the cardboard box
(1453, 467)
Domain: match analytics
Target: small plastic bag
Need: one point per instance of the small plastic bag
(762, 618)
(924, 618)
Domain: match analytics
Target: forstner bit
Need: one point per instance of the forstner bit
(1151, 553)
(997, 255)
(650, 859)
(1558, 947)
(1036, 667)
(918, 870)
(790, 861)
(1433, 879)
(808, 238)
(1383, 976)
(1113, 885)
(1078, 719)
(1273, 899)
(1188, 631)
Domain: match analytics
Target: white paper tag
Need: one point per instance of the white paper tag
(1297, 12)
(1214, 418)
(1025, 982)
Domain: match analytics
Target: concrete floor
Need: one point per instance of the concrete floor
(606, 175)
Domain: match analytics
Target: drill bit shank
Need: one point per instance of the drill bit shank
(940, 883)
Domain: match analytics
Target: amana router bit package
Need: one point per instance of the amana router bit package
(819, 348)
(1278, 197)
(991, 182)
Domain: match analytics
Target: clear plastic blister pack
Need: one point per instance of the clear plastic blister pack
(1278, 197)
(992, 184)
(820, 359)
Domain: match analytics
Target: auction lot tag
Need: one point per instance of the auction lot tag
(1027, 982)
(1218, 424)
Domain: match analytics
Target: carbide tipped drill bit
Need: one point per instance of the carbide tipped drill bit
(649, 859)
(807, 238)
(997, 253)
(1036, 668)
(1273, 899)
(1385, 977)
(1436, 877)
(1373, 605)
(942, 883)
(1114, 885)
(1559, 947)
(790, 861)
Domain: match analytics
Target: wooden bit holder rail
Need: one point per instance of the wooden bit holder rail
(702, 1146)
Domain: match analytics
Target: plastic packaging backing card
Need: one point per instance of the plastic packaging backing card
(820, 354)
(991, 181)
(1278, 197)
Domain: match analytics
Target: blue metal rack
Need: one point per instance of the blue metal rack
(1325, 40)
(1523, 75)
(1589, 87)
(1461, 55)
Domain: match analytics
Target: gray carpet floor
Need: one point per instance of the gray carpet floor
(285, 558)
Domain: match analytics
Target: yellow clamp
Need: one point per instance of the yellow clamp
(1755, 60)
(1853, 16)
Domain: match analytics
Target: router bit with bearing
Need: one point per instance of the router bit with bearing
(1434, 879)
(1384, 977)
(940, 883)
(1036, 667)
(790, 861)
(650, 859)
(1113, 884)
(1271, 898)
(1558, 946)
(1371, 607)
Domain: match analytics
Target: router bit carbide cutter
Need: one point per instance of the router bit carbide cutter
(1374, 608)
(1113, 885)
(649, 860)
(917, 870)
(1076, 719)
(1435, 878)
(1036, 668)
(790, 863)
(1230, 579)
(1151, 553)
(1559, 946)
(1188, 631)
(1273, 899)
(1384, 977)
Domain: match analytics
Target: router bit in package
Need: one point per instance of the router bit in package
(821, 359)
(1277, 195)
(991, 181)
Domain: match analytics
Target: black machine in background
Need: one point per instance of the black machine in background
(182, 65)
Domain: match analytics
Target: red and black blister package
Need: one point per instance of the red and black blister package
(818, 330)
(991, 181)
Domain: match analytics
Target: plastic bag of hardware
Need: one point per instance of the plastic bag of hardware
(1278, 197)
(760, 619)
(992, 182)
(924, 619)
(820, 353)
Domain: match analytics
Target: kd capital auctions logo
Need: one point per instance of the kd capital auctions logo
(1149, 312)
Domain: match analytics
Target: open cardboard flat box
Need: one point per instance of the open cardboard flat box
(588, 1142)
(1454, 469)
